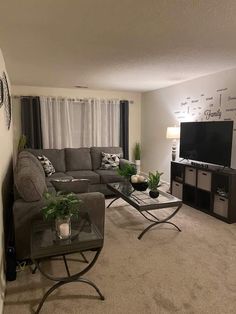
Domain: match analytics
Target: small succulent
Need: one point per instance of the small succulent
(154, 180)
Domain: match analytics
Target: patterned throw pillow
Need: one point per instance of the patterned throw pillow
(110, 161)
(47, 165)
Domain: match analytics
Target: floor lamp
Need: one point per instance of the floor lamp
(174, 134)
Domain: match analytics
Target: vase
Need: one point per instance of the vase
(138, 164)
(153, 194)
(63, 227)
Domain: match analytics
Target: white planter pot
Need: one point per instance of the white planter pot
(138, 164)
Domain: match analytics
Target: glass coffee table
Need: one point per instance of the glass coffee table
(46, 245)
(144, 204)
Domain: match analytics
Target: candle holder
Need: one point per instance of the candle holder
(63, 227)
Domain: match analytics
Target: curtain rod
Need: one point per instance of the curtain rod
(73, 98)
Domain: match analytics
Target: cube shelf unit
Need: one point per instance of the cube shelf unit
(211, 190)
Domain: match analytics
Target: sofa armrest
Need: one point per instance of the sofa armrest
(94, 203)
(124, 162)
(25, 212)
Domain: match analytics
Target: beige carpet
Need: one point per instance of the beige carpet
(193, 271)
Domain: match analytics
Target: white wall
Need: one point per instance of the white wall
(134, 114)
(188, 101)
(6, 137)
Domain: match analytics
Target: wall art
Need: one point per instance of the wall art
(6, 100)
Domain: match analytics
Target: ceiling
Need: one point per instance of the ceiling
(134, 45)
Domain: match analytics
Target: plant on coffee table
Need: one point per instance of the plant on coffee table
(61, 207)
(153, 183)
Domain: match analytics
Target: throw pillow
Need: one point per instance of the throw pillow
(75, 185)
(110, 161)
(47, 165)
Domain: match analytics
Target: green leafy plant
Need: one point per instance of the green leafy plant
(127, 171)
(22, 143)
(61, 205)
(154, 180)
(137, 151)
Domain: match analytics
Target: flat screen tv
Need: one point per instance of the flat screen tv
(209, 142)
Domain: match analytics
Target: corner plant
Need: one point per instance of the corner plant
(22, 143)
(61, 205)
(137, 151)
(154, 180)
(127, 171)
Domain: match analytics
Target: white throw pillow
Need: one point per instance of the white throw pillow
(47, 165)
(110, 161)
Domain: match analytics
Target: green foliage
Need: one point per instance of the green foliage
(61, 205)
(137, 151)
(153, 180)
(127, 171)
(22, 143)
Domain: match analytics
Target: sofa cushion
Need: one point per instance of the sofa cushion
(96, 154)
(74, 185)
(78, 159)
(109, 176)
(25, 154)
(85, 174)
(29, 179)
(56, 156)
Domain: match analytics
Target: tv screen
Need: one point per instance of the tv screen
(209, 142)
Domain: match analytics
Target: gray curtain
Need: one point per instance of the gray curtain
(124, 127)
(31, 121)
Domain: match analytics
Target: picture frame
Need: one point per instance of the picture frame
(1, 93)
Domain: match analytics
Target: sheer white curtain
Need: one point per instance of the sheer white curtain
(80, 123)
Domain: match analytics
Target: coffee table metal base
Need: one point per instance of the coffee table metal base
(155, 221)
(70, 278)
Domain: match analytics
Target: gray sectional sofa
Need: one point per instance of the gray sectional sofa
(81, 163)
(31, 183)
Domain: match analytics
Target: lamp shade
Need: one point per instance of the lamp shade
(173, 132)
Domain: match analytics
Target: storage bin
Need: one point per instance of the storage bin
(220, 206)
(190, 176)
(204, 180)
(177, 189)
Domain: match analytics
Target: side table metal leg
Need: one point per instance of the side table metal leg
(84, 257)
(66, 265)
(57, 285)
(92, 285)
(34, 270)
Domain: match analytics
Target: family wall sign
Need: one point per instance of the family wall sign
(220, 106)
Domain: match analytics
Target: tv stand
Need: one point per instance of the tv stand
(209, 189)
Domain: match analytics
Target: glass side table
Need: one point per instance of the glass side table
(46, 245)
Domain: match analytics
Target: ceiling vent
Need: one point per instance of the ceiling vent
(80, 86)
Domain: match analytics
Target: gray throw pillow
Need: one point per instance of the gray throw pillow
(76, 185)
(110, 161)
(47, 165)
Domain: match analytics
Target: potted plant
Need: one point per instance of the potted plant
(22, 143)
(137, 156)
(61, 207)
(127, 171)
(153, 183)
